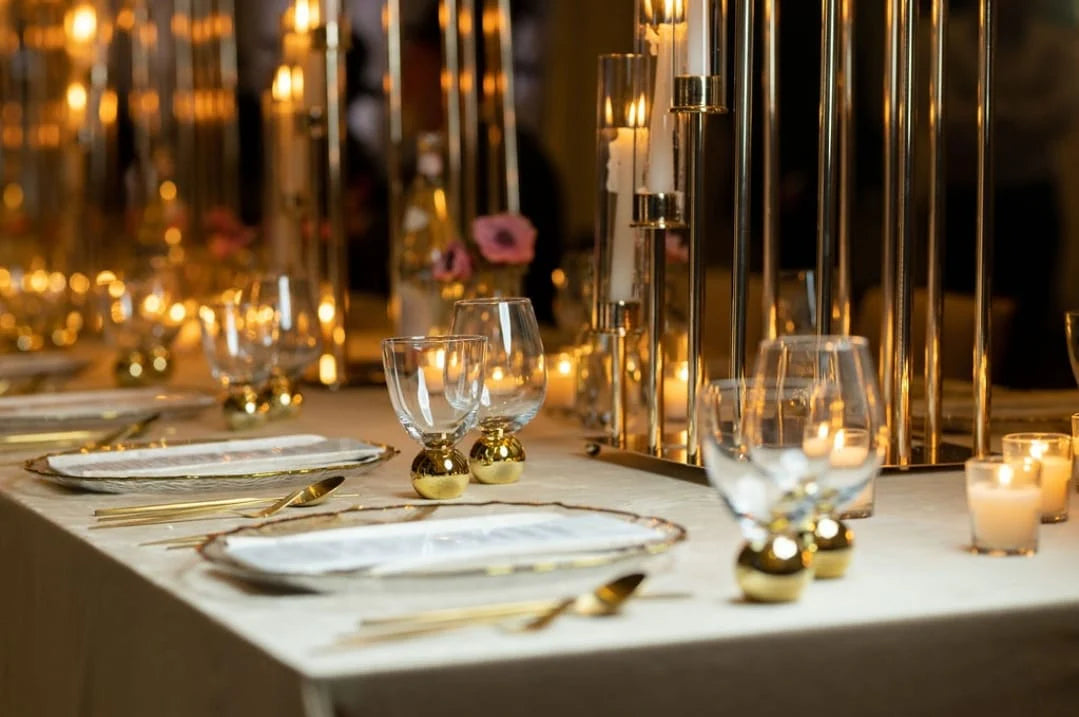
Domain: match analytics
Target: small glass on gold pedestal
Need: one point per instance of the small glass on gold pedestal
(515, 381)
(434, 384)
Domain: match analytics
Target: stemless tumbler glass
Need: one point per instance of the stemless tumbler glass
(515, 381)
(435, 384)
(297, 341)
(237, 339)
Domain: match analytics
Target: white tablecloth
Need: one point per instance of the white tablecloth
(92, 624)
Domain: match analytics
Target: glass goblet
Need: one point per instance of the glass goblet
(237, 339)
(515, 382)
(435, 385)
(774, 564)
(142, 317)
(297, 340)
(833, 440)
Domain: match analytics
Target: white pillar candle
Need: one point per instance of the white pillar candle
(698, 37)
(1004, 517)
(676, 393)
(620, 183)
(662, 125)
(562, 381)
(1056, 474)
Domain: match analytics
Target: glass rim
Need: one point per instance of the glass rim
(433, 340)
(997, 460)
(1031, 436)
(493, 301)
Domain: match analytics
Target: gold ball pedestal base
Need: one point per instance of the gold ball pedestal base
(244, 408)
(283, 397)
(142, 366)
(440, 473)
(775, 570)
(834, 543)
(497, 457)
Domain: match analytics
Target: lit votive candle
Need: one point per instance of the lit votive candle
(1054, 452)
(1004, 498)
(499, 382)
(850, 455)
(676, 392)
(561, 381)
(434, 372)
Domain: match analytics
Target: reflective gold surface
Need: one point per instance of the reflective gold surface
(244, 408)
(497, 457)
(775, 570)
(834, 547)
(440, 473)
(283, 397)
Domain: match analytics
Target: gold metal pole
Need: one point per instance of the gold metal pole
(846, 162)
(509, 111)
(887, 273)
(908, 32)
(984, 227)
(934, 316)
(770, 141)
(337, 248)
(743, 159)
(451, 98)
(827, 162)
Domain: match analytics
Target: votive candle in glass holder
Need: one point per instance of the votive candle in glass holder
(1054, 452)
(1004, 499)
(561, 381)
(1075, 437)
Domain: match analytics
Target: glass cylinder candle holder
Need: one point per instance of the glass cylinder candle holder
(662, 33)
(1004, 499)
(620, 140)
(561, 382)
(1054, 452)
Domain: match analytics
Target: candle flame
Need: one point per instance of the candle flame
(281, 90)
(76, 97)
(1038, 449)
(564, 366)
(608, 112)
(1005, 476)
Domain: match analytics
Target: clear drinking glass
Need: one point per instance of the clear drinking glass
(297, 340)
(1004, 497)
(1054, 452)
(823, 425)
(435, 385)
(515, 381)
(237, 339)
(142, 317)
(770, 506)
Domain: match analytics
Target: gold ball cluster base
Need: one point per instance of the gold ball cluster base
(440, 473)
(497, 458)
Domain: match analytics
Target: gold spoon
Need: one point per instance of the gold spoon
(312, 494)
(604, 600)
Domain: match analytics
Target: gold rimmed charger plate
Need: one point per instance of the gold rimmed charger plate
(518, 574)
(194, 483)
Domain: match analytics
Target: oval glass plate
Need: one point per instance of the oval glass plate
(195, 483)
(510, 573)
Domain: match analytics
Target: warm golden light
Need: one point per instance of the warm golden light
(281, 90)
(79, 283)
(76, 97)
(125, 19)
(305, 17)
(167, 190)
(564, 367)
(297, 82)
(173, 236)
(326, 311)
(13, 196)
(57, 282)
(327, 369)
(558, 278)
(80, 23)
(106, 108)
(104, 278)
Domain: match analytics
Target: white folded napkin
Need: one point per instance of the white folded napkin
(219, 458)
(401, 548)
